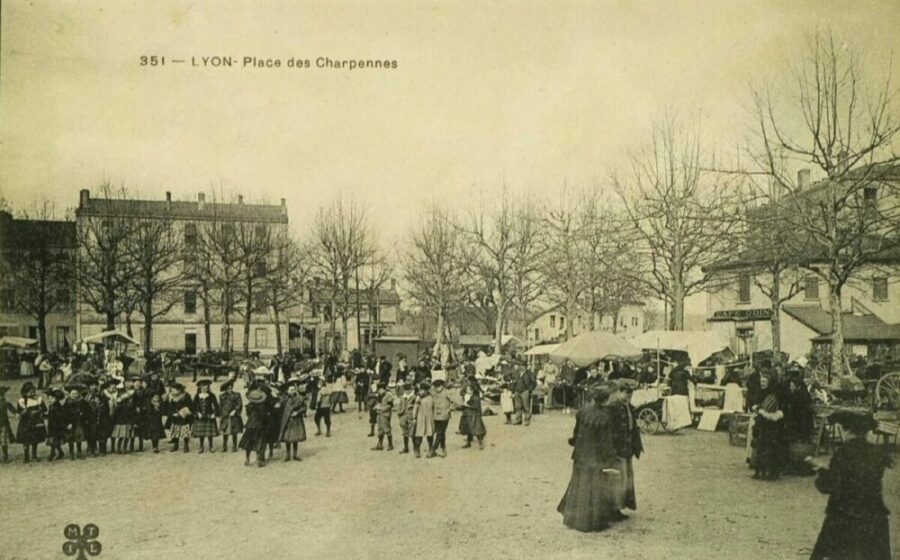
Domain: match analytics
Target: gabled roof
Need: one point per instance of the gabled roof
(857, 328)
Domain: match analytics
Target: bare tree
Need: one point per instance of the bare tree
(219, 263)
(374, 276)
(679, 211)
(287, 279)
(341, 242)
(105, 269)
(155, 249)
(847, 130)
(564, 259)
(41, 267)
(527, 284)
(255, 244)
(432, 268)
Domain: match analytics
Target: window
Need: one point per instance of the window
(879, 289)
(63, 301)
(634, 321)
(190, 301)
(7, 299)
(811, 287)
(260, 302)
(260, 269)
(262, 338)
(191, 265)
(562, 322)
(190, 236)
(537, 334)
(552, 321)
(744, 288)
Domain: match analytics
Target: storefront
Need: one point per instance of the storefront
(747, 329)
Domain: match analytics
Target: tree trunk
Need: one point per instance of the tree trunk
(332, 326)
(148, 333)
(498, 327)
(837, 331)
(677, 322)
(438, 335)
(207, 320)
(110, 320)
(42, 332)
(128, 324)
(277, 330)
(776, 315)
(615, 318)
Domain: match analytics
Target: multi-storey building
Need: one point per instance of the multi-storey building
(23, 239)
(550, 326)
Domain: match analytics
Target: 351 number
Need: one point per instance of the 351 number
(153, 60)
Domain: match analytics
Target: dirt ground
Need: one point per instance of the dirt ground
(695, 497)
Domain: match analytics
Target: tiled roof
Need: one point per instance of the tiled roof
(857, 328)
(383, 297)
(184, 210)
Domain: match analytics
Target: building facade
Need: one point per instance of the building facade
(550, 326)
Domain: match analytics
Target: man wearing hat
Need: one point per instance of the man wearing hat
(522, 386)
(384, 370)
(405, 401)
(384, 406)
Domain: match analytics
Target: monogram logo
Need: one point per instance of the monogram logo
(82, 541)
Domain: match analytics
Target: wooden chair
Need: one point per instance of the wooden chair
(887, 429)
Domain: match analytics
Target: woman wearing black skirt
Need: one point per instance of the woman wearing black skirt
(471, 424)
(254, 436)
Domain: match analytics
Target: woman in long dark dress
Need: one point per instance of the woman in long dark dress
(31, 429)
(856, 520)
(293, 428)
(254, 436)
(768, 434)
(799, 424)
(594, 496)
(471, 424)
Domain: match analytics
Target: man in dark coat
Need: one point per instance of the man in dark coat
(679, 379)
(361, 389)
(384, 370)
(522, 385)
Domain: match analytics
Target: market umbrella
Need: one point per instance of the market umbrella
(589, 347)
(115, 336)
(17, 341)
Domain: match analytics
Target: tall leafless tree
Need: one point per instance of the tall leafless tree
(844, 122)
(287, 280)
(679, 211)
(563, 264)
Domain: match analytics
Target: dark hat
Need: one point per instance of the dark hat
(227, 385)
(437, 381)
(177, 385)
(857, 422)
(57, 394)
(204, 383)
(75, 387)
(424, 385)
(602, 391)
(27, 388)
(256, 396)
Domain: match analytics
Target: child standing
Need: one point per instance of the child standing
(123, 417)
(6, 434)
(254, 438)
(506, 402)
(178, 417)
(56, 424)
(293, 429)
(206, 409)
(31, 430)
(77, 417)
(153, 422)
(230, 406)
(384, 408)
(323, 408)
(405, 417)
(423, 412)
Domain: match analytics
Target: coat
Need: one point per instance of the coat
(525, 381)
(443, 404)
(384, 371)
(423, 410)
(293, 428)
(173, 407)
(856, 518)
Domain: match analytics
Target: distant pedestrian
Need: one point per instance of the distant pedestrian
(423, 412)
(405, 403)
(323, 408)
(443, 408)
(523, 386)
(384, 407)
(230, 407)
(206, 412)
(470, 423)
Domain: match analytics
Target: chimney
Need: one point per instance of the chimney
(284, 206)
(393, 283)
(201, 200)
(168, 200)
(85, 199)
(240, 199)
(802, 179)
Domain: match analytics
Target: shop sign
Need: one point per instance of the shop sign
(742, 315)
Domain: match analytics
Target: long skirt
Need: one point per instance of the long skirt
(123, 431)
(853, 538)
(630, 497)
(179, 431)
(254, 439)
(295, 431)
(339, 397)
(30, 434)
(592, 499)
(205, 427)
(231, 425)
(471, 425)
(153, 430)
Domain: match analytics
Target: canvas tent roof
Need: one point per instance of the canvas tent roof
(541, 350)
(591, 346)
(699, 345)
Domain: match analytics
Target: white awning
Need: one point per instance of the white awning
(541, 350)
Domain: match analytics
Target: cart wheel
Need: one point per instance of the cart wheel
(887, 392)
(648, 421)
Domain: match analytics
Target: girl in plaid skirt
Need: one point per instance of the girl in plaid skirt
(178, 417)
(206, 410)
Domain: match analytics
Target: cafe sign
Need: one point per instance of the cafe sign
(742, 315)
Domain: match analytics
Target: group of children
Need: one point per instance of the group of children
(118, 415)
(425, 415)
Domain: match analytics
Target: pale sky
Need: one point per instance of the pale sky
(528, 93)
